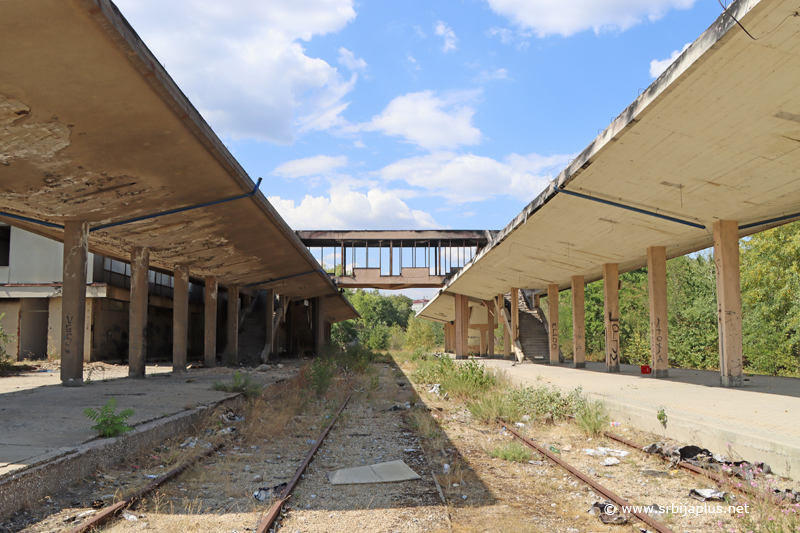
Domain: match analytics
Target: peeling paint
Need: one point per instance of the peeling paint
(30, 141)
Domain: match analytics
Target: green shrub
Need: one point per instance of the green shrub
(320, 374)
(109, 423)
(546, 403)
(494, 406)
(468, 380)
(242, 382)
(355, 359)
(433, 370)
(512, 451)
(592, 418)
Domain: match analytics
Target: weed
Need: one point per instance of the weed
(421, 422)
(493, 406)
(320, 374)
(547, 404)
(242, 382)
(661, 415)
(374, 385)
(109, 423)
(592, 417)
(511, 451)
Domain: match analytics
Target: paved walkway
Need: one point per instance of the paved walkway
(40, 419)
(759, 422)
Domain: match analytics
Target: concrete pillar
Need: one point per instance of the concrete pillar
(73, 315)
(447, 326)
(483, 336)
(180, 318)
(729, 302)
(319, 326)
(232, 352)
(270, 324)
(552, 319)
(578, 323)
(491, 312)
(657, 287)
(536, 298)
(137, 314)
(210, 322)
(514, 314)
(611, 314)
(501, 304)
(462, 326)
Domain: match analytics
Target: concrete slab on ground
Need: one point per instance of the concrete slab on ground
(378, 473)
(40, 419)
(756, 423)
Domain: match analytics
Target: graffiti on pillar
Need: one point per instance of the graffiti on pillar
(658, 339)
(66, 346)
(613, 341)
(554, 336)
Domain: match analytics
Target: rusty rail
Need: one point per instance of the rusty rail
(110, 512)
(618, 500)
(275, 509)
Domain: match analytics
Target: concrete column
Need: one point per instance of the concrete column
(319, 332)
(578, 323)
(447, 347)
(491, 310)
(536, 298)
(232, 352)
(552, 308)
(501, 299)
(483, 347)
(657, 287)
(180, 318)
(270, 323)
(729, 302)
(462, 326)
(514, 314)
(73, 314)
(137, 314)
(611, 314)
(210, 322)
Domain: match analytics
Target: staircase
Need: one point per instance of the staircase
(532, 333)
(253, 331)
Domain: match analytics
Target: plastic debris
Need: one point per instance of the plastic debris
(601, 451)
(614, 424)
(230, 417)
(610, 461)
(553, 449)
(446, 469)
(129, 516)
(706, 495)
(519, 424)
(263, 493)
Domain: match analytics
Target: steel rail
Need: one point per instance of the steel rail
(275, 510)
(618, 500)
(110, 512)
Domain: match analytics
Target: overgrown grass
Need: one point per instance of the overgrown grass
(546, 404)
(242, 382)
(511, 451)
(496, 405)
(592, 417)
(466, 380)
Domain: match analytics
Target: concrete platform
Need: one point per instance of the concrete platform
(755, 423)
(41, 420)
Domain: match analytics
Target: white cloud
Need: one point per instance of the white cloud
(420, 32)
(413, 62)
(658, 66)
(450, 39)
(568, 17)
(462, 178)
(242, 64)
(376, 209)
(310, 166)
(429, 121)
(348, 59)
(485, 75)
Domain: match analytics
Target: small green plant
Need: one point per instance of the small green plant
(320, 374)
(109, 423)
(511, 451)
(592, 418)
(374, 385)
(242, 382)
(661, 415)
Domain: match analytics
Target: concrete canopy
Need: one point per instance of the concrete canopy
(715, 137)
(92, 128)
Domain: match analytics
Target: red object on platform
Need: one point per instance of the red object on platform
(646, 369)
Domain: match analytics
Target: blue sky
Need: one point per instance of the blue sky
(412, 114)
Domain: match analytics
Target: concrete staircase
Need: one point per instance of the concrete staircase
(532, 334)
(253, 331)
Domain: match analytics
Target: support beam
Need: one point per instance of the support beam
(578, 323)
(514, 314)
(657, 287)
(232, 352)
(483, 334)
(462, 326)
(180, 318)
(319, 326)
(501, 304)
(491, 309)
(611, 314)
(729, 302)
(536, 298)
(552, 307)
(73, 306)
(210, 323)
(270, 326)
(447, 331)
(137, 313)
